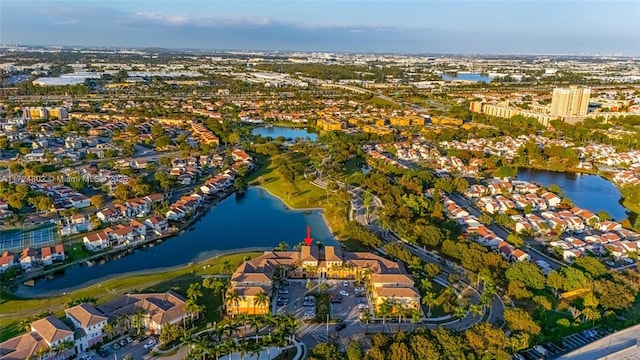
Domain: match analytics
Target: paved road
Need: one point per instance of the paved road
(496, 309)
(624, 344)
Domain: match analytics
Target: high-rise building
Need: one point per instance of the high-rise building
(573, 101)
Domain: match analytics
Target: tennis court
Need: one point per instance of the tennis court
(41, 236)
(12, 241)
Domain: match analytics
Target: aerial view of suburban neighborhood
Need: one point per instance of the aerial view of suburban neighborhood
(319, 180)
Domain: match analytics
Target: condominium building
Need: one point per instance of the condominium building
(388, 279)
(573, 101)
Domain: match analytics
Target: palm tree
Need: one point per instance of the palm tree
(429, 299)
(460, 312)
(226, 267)
(137, 321)
(261, 299)
(400, 308)
(415, 317)
(194, 292)
(384, 309)
(320, 246)
(282, 246)
(366, 317)
(255, 322)
(243, 320)
(109, 330)
(234, 298)
(192, 308)
(476, 309)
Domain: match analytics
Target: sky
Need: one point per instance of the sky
(461, 27)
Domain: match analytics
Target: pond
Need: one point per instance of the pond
(591, 192)
(286, 132)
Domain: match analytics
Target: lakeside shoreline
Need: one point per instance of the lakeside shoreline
(114, 251)
(597, 173)
(320, 209)
(61, 292)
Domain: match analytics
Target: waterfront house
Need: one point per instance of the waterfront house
(609, 226)
(109, 214)
(96, 241)
(123, 234)
(157, 223)
(28, 258)
(7, 260)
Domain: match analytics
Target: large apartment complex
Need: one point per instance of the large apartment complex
(388, 279)
(573, 101)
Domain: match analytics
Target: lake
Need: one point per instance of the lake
(286, 132)
(468, 77)
(255, 219)
(591, 192)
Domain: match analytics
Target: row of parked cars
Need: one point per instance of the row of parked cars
(571, 342)
(283, 296)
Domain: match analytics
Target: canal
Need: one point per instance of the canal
(591, 192)
(286, 132)
(255, 219)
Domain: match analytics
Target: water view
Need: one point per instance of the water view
(588, 191)
(253, 220)
(288, 133)
(468, 77)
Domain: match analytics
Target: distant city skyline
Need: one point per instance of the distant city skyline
(460, 27)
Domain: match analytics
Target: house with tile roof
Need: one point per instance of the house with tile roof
(90, 320)
(159, 309)
(257, 275)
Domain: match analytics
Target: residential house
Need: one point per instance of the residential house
(91, 321)
(28, 258)
(159, 309)
(157, 223)
(96, 241)
(7, 260)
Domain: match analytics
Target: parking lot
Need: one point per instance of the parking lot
(569, 343)
(295, 292)
(136, 349)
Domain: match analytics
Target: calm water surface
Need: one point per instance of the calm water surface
(468, 77)
(587, 191)
(289, 133)
(255, 219)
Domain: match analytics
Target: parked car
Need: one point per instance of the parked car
(103, 352)
(341, 326)
(123, 342)
(345, 284)
(149, 344)
(129, 339)
(344, 293)
(116, 346)
(541, 349)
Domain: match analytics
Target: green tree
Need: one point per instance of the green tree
(520, 320)
(354, 352)
(527, 273)
(97, 201)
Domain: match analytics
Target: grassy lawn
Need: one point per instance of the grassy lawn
(384, 102)
(13, 308)
(353, 170)
(301, 193)
(77, 251)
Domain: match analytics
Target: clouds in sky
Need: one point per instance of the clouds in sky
(365, 26)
